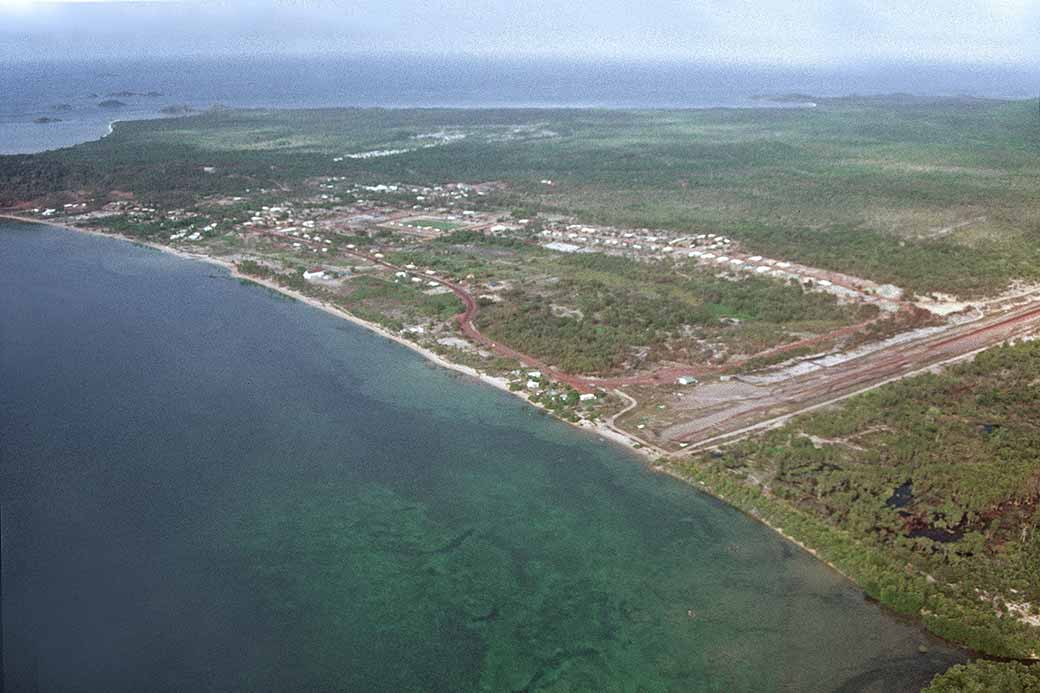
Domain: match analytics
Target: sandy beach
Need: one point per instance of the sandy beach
(650, 455)
(604, 429)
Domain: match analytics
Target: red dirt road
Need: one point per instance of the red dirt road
(661, 376)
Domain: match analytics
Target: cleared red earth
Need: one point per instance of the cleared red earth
(719, 410)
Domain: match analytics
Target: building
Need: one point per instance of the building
(563, 247)
(686, 380)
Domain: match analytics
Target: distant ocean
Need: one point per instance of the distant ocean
(71, 91)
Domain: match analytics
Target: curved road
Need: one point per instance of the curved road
(660, 376)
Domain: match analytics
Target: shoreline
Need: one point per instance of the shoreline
(654, 459)
(647, 452)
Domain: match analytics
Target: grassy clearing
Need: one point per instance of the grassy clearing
(438, 224)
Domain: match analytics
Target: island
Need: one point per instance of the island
(825, 317)
(129, 94)
(176, 109)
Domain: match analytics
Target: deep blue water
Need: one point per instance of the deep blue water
(206, 486)
(33, 89)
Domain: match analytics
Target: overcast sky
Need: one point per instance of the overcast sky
(744, 31)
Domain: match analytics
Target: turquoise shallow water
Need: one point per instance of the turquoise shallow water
(207, 486)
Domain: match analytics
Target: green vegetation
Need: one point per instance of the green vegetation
(147, 230)
(880, 187)
(604, 307)
(382, 301)
(924, 491)
(480, 238)
(438, 224)
(987, 677)
(562, 400)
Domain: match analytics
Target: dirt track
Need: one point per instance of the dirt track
(759, 405)
(763, 405)
(662, 376)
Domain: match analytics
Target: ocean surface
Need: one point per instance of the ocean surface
(72, 91)
(205, 486)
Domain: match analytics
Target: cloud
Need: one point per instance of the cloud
(760, 31)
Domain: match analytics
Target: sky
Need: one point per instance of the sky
(781, 32)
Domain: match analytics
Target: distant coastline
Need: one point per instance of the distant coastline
(439, 82)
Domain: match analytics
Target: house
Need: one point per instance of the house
(316, 273)
(587, 397)
(534, 375)
(563, 247)
(532, 385)
(686, 380)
